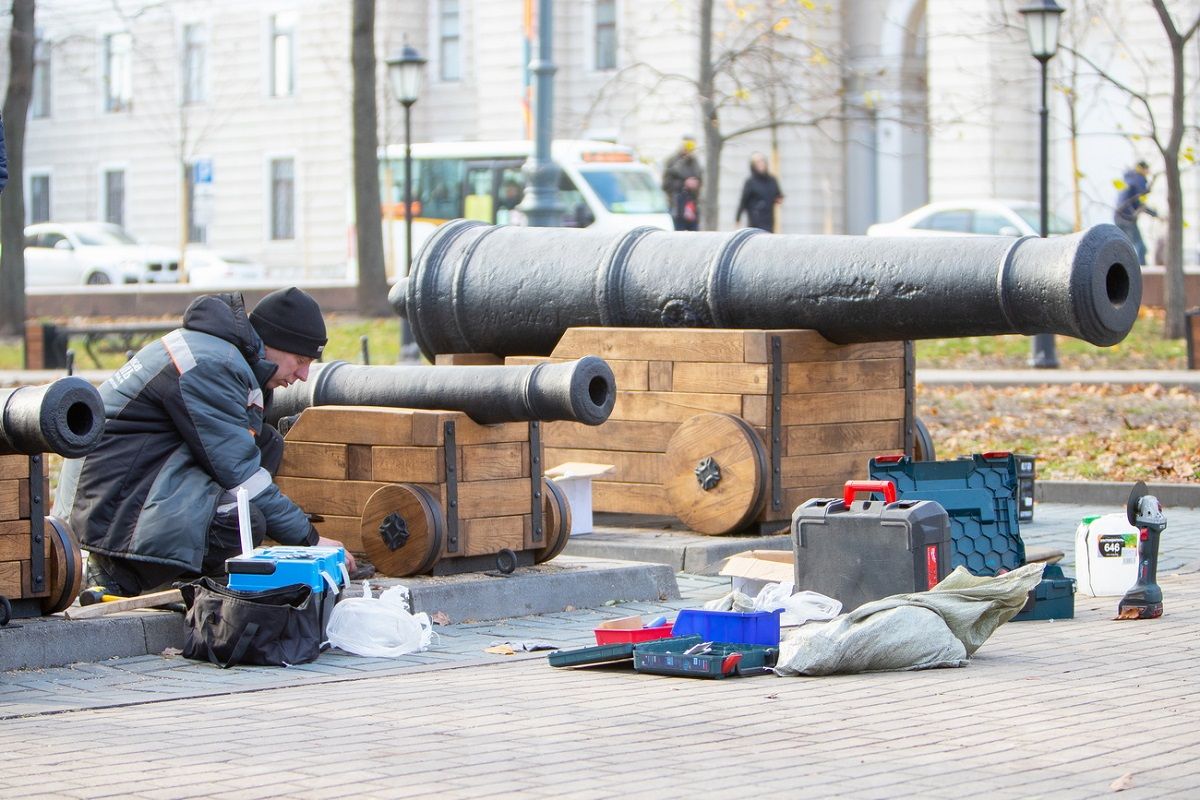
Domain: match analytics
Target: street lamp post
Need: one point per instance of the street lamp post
(405, 71)
(1041, 22)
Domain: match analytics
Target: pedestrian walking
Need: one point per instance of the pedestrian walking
(686, 208)
(1129, 205)
(682, 165)
(760, 195)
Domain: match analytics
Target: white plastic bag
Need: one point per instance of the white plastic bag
(381, 626)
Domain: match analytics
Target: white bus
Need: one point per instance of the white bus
(601, 185)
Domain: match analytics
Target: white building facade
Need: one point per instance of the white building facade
(867, 108)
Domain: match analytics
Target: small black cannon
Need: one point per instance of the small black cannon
(476, 288)
(64, 417)
(581, 391)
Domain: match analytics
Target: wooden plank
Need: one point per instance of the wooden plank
(696, 376)
(467, 360)
(429, 429)
(153, 600)
(630, 498)
(612, 435)
(314, 460)
(493, 498)
(631, 467)
(796, 496)
(487, 535)
(358, 463)
(661, 378)
(346, 530)
(883, 437)
(840, 376)
(756, 409)
(10, 579)
(15, 467)
(825, 468)
(487, 462)
(15, 541)
(629, 375)
(672, 406)
(14, 498)
(408, 464)
(808, 345)
(814, 409)
(337, 498)
(354, 425)
(658, 344)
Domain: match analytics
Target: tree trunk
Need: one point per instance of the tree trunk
(12, 202)
(711, 190)
(1174, 298)
(372, 278)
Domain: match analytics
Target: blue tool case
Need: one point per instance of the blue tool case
(321, 568)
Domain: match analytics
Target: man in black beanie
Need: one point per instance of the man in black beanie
(184, 430)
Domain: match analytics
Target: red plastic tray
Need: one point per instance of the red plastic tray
(627, 635)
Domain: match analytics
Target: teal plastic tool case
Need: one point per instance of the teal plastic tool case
(979, 493)
(861, 550)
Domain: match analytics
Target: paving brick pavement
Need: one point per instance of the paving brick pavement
(1046, 709)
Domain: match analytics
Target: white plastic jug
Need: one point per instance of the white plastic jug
(1105, 555)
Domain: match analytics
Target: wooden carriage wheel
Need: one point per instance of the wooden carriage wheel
(716, 473)
(556, 521)
(403, 529)
(64, 567)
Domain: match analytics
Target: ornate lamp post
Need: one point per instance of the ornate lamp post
(405, 72)
(1041, 22)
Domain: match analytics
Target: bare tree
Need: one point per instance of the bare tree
(758, 72)
(12, 202)
(372, 275)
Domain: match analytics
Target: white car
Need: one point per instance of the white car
(93, 253)
(207, 267)
(972, 217)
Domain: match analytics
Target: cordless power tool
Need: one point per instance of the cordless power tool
(1144, 598)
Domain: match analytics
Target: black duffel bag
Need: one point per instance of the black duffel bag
(273, 627)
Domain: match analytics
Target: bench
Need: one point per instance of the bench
(46, 343)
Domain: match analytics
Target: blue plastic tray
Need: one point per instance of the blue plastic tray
(979, 493)
(760, 627)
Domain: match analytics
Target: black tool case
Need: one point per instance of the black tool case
(861, 550)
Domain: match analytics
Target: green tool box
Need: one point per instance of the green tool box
(714, 660)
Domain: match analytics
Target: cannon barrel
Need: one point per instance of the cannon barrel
(581, 391)
(64, 417)
(476, 288)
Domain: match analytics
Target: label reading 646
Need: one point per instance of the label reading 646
(1111, 546)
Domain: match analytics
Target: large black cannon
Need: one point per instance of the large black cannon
(64, 417)
(476, 288)
(581, 391)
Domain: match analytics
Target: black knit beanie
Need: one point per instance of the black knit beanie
(290, 320)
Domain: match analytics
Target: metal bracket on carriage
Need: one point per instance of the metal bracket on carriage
(708, 473)
(394, 531)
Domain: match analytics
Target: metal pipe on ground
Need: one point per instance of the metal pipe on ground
(476, 288)
(581, 391)
(64, 417)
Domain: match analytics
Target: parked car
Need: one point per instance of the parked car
(972, 217)
(206, 267)
(93, 253)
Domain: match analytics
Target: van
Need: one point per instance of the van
(601, 185)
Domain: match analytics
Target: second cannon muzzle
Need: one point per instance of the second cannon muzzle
(64, 417)
(476, 288)
(580, 391)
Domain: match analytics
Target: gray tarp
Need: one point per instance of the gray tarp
(923, 630)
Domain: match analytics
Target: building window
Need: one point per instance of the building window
(118, 72)
(39, 103)
(606, 34)
(39, 198)
(449, 41)
(283, 55)
(114, 196)
(283, 198)
(195, 51)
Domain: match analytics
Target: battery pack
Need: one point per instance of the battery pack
(861, 550)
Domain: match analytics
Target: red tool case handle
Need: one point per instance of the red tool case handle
(854, 487)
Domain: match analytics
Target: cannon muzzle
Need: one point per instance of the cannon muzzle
(64, 417)
(476, 288)
(581, 391)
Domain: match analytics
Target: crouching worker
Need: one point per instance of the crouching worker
(156, 501)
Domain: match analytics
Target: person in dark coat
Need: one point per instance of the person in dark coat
(679, 167)
(686, 209)
(760, 195)
(156, 500)
(1129, 205)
